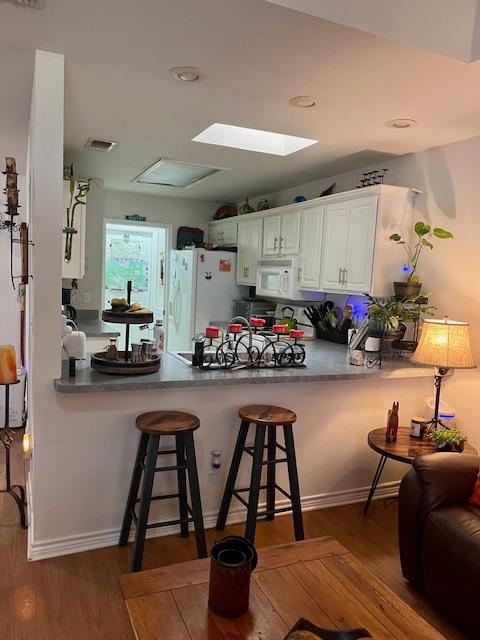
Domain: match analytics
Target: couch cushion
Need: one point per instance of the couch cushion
(451, 563)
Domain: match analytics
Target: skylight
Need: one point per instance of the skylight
(227, 135)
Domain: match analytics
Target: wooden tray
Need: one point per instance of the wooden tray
(122, 368)
(126, 317)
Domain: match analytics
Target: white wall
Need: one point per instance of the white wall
(103, 203)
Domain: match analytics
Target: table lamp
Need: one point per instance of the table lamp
(444, 344)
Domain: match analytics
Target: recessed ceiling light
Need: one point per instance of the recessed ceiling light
(278, 144)
(304, 102)
(401, 123)
(186, 74)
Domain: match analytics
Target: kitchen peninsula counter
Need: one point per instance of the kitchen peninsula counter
(325, 361)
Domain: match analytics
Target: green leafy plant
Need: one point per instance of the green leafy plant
(78, 194)
(424, 234)
(450, 438)
(389, 312)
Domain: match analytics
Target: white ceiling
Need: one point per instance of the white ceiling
(255, 56)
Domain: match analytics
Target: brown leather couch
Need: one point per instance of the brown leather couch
(439, 535)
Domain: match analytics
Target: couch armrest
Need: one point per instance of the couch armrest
(445, 478)
(409, 528)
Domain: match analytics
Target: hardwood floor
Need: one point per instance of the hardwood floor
(78, 597)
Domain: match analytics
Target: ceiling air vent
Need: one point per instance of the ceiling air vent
(170, 173)
(99, 145)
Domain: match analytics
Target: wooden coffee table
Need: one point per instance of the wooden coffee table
(316, 579)
(405, 449)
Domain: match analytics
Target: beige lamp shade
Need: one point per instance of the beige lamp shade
(444, 343)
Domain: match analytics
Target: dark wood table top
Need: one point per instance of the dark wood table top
(406, 448)
(317, 579)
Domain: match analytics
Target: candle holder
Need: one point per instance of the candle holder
(7, 436)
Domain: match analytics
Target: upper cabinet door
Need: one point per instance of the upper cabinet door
(311, 249)
(229, 233)
(75, 268)
(361, 244)
(334, 254)
(255, 251)
(271, 235)
(290, 234)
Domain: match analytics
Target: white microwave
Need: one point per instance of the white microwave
(278, 278)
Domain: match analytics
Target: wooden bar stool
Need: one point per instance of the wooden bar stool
(152, 426)
(265, 417)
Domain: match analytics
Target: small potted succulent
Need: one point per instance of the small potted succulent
(424, 233)
(448, 439)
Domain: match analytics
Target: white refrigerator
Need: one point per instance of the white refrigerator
(202, 289)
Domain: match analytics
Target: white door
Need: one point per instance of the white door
(311, 249)
(290, 234)
(271, 235)
(243, 248)
(181, 301)
(254, 251)
(334, 254)
(361, 244)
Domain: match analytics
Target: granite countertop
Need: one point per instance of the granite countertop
(326, 361)
(95, 328)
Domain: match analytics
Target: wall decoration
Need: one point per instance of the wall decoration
(135, 217)
(371, 178)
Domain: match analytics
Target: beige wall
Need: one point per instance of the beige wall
(103, 203)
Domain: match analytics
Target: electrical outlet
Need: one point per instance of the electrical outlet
(215, 463)
(87, 296)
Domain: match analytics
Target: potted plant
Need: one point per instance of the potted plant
(386, 316)
(424, 233)
(448, 439)
(78, 193)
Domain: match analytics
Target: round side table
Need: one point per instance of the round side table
(405, 449)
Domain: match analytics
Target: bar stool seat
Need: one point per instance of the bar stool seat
(154, 425)
(267, 414)
(166, 423)
(266, 418)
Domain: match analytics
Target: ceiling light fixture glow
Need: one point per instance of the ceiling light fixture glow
(401, 123)
(186, 74)
(227, 135)
(304, 102)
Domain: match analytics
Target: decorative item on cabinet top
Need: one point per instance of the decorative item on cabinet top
(225, 211)
(328, 191)
(372, 178)
(263, 205)
(245, 207)
(79, 188)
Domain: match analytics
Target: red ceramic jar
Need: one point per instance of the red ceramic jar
(235, 328)
(212, 332)
(279, 328)
(296, 333)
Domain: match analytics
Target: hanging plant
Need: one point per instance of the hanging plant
(78, 194)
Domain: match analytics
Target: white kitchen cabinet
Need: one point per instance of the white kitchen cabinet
(75, 268)
(249, 243)
(281, 234)
(223, 233)
(311, 248)
(348, 245)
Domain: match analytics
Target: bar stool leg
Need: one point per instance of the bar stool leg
(182, 485)
(195, 496)
(271, 453)
(133, 492)
(255, 483)
(232, 475)
(293, 479)
(148, 476)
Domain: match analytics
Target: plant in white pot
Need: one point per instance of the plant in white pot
(424, 233)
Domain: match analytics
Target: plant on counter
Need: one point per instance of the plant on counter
(448, 439)
(78, 193)
(424, 234)
(386, 315)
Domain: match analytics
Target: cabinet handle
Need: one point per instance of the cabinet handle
(340, 276)
(345, 272)
(275, 243)
(247, 269)
(300, 273)
(282, 240)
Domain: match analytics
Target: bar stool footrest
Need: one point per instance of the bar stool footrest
(165, 497)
